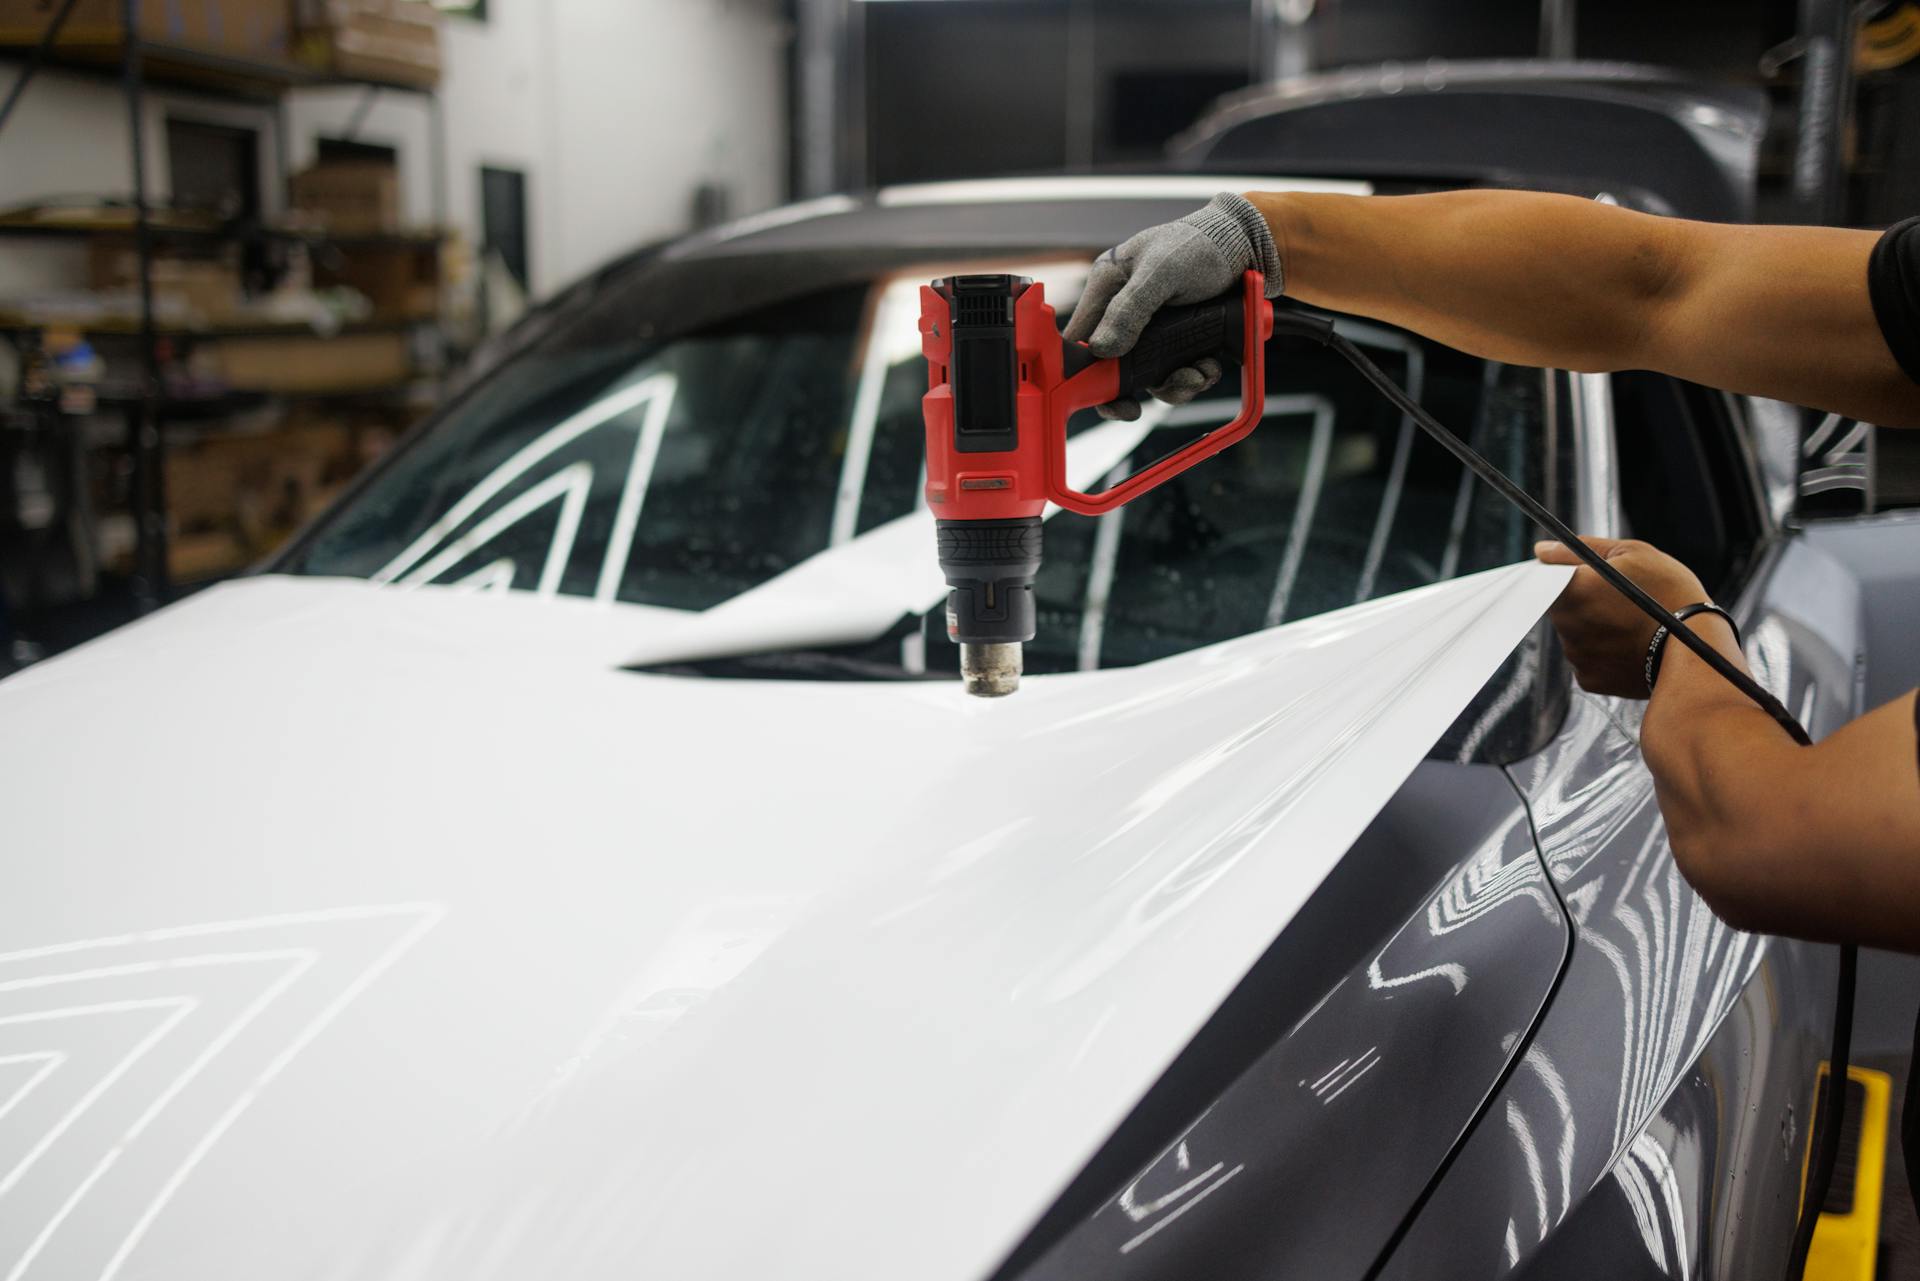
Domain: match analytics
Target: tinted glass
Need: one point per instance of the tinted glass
(682, 472)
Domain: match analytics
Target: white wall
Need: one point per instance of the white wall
(654, 97)
(616, 110)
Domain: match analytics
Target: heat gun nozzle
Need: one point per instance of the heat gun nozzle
(990, 671)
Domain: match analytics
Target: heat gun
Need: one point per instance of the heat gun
(1001, 384)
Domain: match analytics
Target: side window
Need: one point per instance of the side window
(1686, 483)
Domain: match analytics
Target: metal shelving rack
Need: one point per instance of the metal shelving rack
(135, 62)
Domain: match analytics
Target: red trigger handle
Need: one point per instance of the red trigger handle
(1100, 382)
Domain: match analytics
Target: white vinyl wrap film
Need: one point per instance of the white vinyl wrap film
(368, 933)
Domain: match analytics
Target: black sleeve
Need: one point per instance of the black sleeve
(1893, 281)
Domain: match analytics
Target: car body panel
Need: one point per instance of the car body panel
(1692, 1104)
(554, 968)
(1708, 1186)
(1852, 583)
(1317, 1124)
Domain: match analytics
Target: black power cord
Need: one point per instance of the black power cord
(1826, 1144)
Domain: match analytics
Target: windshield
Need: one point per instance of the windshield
(682, 472)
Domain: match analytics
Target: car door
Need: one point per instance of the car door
(1656, 1124)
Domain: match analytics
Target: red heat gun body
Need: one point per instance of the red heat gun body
(1001, 384)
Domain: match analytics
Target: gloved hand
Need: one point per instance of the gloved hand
(1199, 257)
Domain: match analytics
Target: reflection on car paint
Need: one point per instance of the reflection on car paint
(122, 1030)
(1709, 1185)
(1335, 1080)
(712, 947)
(1305, 1126)
(1647, 948)
(1159, 1211)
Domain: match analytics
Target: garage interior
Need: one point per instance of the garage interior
(249, 248)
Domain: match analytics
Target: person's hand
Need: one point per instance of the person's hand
(1199, 257)
(1604, 634)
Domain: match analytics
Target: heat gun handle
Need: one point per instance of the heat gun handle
(1178, 337)
(1174, 339)
(1186, 336)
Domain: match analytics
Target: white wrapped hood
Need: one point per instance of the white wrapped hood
(363, 933)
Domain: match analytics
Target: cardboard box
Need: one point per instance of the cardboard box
(192, 558)
(201, 487)
(349, 198)
(317, 15)
(401, 281)
(347, 362)
(233, 498)
(254, 29)
(260, 29)
(387, 41)
(193, 291)
(96, 22)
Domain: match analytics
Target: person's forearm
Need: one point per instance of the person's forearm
(1813, 842)
(1515, 276)
(1712, 753)
(1531, 278)
(1820, 842)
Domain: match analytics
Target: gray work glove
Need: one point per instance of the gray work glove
(1199, 257)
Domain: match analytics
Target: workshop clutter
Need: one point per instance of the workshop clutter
(257, 29)
(392, 41)
(203, 340)
(235, 497)
(307, 364)
(320, 287)
(350, 198)
(191, 291)
(173, 405)
(400, 281)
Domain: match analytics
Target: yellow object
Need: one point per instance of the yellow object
(1846, 1244)
(1889, 41)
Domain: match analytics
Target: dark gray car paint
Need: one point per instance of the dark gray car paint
(1708, 1187)
(1654, 975)
(1303, 1166)
(1880, 556)
(1675, 1069)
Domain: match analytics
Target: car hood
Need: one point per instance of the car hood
(358, 932)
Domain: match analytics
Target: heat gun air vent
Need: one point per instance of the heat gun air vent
(983, 309)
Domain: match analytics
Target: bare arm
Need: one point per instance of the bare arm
(1536, 279)
(1818, 842)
